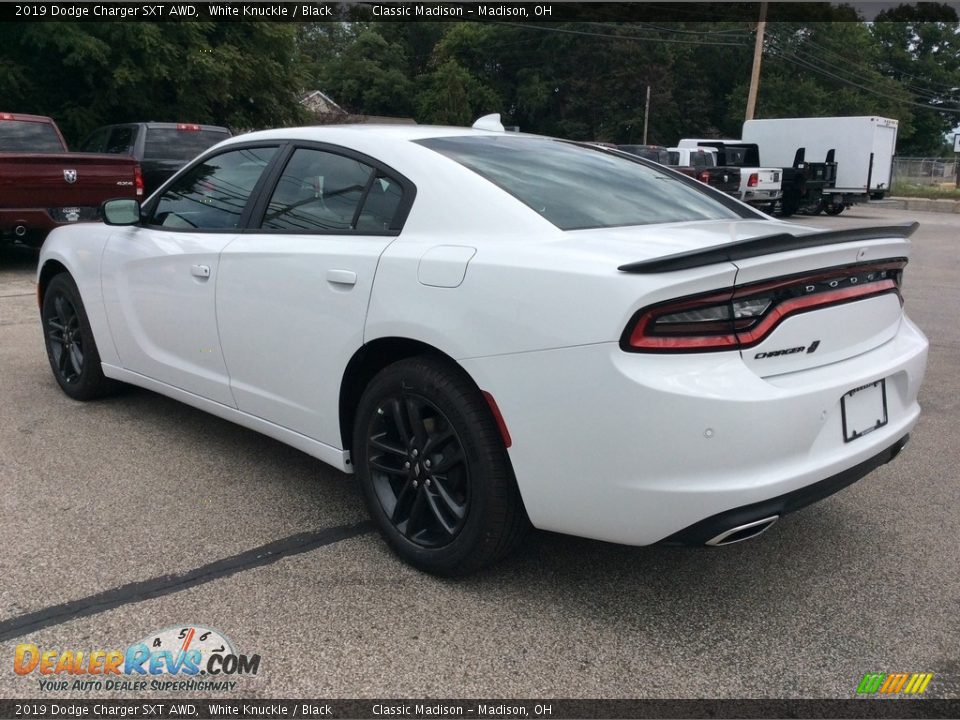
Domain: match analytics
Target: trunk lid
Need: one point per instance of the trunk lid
(801, 299)
(851, 324)
(640, 243)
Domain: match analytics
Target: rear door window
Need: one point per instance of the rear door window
(322, 191)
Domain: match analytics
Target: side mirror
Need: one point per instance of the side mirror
(120, 212)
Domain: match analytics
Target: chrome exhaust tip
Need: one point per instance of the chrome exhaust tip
(20, 230)
(743, 532)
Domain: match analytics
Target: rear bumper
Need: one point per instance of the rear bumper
(634, 448)
(761, 196)
(40, 220)
(714, 526)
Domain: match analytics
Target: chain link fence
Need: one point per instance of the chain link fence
(933, 172)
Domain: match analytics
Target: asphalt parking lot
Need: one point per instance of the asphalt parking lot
(95, 497)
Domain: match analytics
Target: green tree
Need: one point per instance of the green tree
(820, 70)
(244, 75)
(369, 76)
(452, 96)
(920, 49)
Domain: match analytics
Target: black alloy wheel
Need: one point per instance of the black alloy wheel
(418, 469)
(433, 468)
(66, 339)
(71, 348)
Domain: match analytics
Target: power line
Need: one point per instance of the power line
(859, 72)
(608, 36)
(678, 31)
(800, 62)
(927, 89)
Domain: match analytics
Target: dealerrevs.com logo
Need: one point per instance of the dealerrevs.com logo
(196, 657)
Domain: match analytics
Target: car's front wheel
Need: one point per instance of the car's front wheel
(434, 470)
(71, 348)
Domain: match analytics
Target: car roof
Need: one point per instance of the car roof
(358, 131)
(151, 124)
(23, 117)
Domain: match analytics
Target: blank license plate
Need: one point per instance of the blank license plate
(864, 409)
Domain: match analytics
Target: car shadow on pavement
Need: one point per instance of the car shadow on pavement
(17, 257)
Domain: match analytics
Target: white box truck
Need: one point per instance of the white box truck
(864, 148)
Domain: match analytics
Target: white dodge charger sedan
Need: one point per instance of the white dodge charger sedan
(493, 330)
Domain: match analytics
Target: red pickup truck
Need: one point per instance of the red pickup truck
(43, 185)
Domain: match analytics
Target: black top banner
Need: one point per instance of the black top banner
(172, 11)
(161, 709)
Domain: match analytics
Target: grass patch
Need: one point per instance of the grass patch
(936, 192)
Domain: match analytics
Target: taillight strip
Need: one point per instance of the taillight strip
(813, 302)
(704, 334)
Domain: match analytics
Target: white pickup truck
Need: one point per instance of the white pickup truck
(759, 186)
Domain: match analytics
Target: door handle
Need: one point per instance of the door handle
(200, 271)
(342, 277)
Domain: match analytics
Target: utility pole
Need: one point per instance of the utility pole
(757, 55)
(956, 158)
(646, 115)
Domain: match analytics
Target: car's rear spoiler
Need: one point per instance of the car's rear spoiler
(766, 245)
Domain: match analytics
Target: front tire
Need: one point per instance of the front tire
(71, 348)
(433, 468)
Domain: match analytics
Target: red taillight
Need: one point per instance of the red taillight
(743, 316)
(138, 180)
(189, 127)
(754, 180)
(704, 177)
(6, 116)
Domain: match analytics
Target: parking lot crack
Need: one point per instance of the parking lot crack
(167, 584)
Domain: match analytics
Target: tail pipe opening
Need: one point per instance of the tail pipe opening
(739, 533)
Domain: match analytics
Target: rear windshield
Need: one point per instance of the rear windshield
(701, 159)
(26, 136)
(740, 155)
(173, 144)
(577, 187)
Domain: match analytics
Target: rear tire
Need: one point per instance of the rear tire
(71, 348)
(835, 209)
(789, 206)
(433, 468)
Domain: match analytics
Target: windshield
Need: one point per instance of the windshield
(577, 187)
(27, 136)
